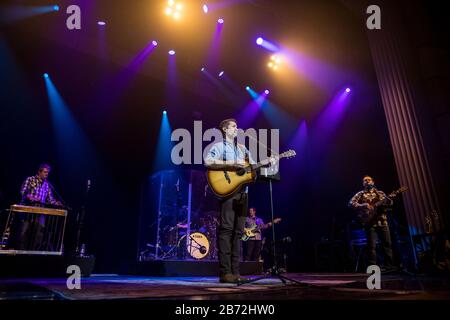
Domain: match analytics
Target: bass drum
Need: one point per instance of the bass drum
(197, 246)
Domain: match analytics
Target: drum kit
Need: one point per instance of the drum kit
(200, 244)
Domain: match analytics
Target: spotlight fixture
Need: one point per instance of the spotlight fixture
(45, 75)
(247, 88)
(205, 8)
(55, 8)
(259, 41)
(220, 21)
(266, 91)
(347, 90)
(101, 23)
(274, 62)
(172, 52)
(174, 9)
(220, 73)
(164, 112)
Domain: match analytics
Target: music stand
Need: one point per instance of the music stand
(270, 174)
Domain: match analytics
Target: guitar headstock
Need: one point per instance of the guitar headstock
(288, 154)
(400, 190)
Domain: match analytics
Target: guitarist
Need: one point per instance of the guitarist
(252, 247)
(229, 155)
(370, 202)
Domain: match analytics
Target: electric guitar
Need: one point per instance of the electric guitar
(368, 215)
(225, 183)
(251, 232)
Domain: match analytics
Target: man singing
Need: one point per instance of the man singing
(229, 155)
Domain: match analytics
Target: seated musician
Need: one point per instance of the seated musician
(35, 191)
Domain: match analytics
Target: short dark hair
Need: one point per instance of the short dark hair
(254, 209)
(44, 166)
(225, 123)
(367, 175)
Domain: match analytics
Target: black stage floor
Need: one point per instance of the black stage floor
(319, 286)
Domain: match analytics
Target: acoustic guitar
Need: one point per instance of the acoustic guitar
(369, 214)
(225, 183)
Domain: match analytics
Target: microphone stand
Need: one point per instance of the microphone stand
(275, 270)
(80, 221)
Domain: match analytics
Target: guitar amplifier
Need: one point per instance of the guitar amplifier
(34, 230)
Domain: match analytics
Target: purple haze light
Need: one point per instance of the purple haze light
(220, 21)
(101, 23)
(220, 73)
(172, 52)
(205, 8)
(155, 43)
(266, 91)
(347, 90)
(259, 41)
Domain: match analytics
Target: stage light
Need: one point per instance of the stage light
(56, 8)
(247, 88)
(220, 21)
(347, 90)
(259, 41)
(274, 62)
(164, 112)
(101, 23)
(171, 52)
(220, 73)
(266, 91)
(205, 8)
(173, 9)
(202, 69)
(155, 43)
(45, 75)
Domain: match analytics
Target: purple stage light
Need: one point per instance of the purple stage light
(202, 69)
(347, 90)
(266, 91)
(259, 41)
(220, 21)
(155, 43)
(205, 8)
(220, 73)
(172, 52)
(101, 23)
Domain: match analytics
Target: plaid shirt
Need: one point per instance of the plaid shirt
(372, 196)
(35, 187)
